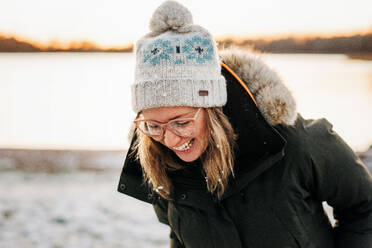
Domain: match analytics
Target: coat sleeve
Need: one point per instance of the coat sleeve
(161, 210)
(341, 179)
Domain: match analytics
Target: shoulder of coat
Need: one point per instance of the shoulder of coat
(308, 136)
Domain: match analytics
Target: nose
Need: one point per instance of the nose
(171, 139)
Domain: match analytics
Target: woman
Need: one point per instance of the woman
(227, 168)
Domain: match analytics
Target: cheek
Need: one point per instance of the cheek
(203, 136)
(201, 125)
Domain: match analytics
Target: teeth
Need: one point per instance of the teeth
(185, 146)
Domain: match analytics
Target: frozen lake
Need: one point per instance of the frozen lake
(82, 100)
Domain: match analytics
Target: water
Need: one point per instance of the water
(67, 100)
(82, 100)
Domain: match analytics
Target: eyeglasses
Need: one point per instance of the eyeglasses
(184, 127)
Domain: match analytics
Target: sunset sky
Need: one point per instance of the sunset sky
(119, 22)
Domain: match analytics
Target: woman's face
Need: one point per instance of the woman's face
(186, 148)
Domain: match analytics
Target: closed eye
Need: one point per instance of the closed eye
(182, 123)
(152, 125)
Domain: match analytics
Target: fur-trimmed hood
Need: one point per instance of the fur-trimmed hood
(273, 98)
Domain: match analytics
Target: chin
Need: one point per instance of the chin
(188, 158)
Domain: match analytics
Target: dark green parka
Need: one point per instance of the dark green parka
(285, 167)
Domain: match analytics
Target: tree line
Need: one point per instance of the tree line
(339, 44)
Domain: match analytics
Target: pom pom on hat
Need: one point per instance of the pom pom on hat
(171, 16)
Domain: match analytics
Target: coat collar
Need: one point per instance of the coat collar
(258, 145)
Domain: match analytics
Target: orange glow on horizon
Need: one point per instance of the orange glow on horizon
(87, 45)
(297, 36)
(55, 44)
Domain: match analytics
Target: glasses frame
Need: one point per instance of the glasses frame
(165, 126)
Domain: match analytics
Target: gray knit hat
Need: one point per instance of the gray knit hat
(177, 63)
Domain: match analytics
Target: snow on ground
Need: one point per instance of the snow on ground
(76, 209)
(76, 204)
(80, 209)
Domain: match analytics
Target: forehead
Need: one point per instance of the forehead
(163, 114)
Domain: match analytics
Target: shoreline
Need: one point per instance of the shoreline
(54, 161)
(366, 158)
(359, 56)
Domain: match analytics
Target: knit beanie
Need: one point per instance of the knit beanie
(177, 63)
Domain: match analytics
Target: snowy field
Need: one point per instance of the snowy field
(75, 209)
(79, 209)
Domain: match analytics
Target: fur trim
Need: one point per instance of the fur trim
(273, 98)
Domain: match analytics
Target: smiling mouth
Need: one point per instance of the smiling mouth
(185, 146)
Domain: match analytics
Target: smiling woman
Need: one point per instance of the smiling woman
(185, 136)
(209, 137)
(223, 156)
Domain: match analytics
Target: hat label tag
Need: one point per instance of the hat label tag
(203, 92)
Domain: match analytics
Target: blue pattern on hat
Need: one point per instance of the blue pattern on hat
(159, 50)
(179, 61)
(198, 49)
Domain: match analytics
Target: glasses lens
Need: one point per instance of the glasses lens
(150, 128)
(184, 128)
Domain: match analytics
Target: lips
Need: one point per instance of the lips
(185, 146)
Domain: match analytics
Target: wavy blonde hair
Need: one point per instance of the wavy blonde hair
(217, 160)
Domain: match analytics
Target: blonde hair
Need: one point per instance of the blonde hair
(217, 160)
